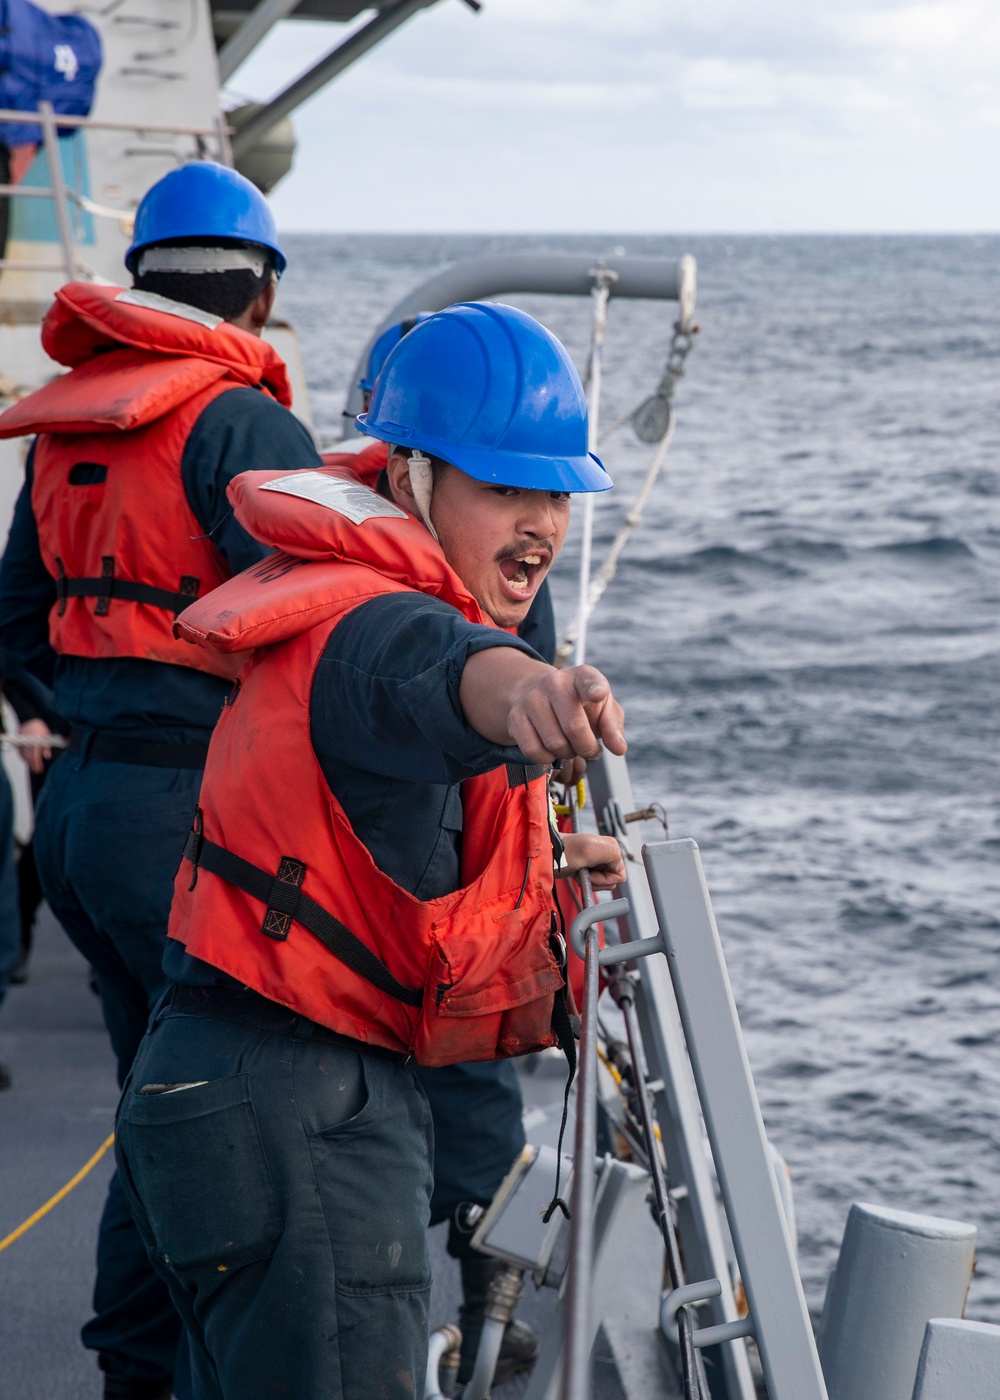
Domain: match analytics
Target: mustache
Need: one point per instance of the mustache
(511, 551)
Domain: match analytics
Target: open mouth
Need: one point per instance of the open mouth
(523, 575)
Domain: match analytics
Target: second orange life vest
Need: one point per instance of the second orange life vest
(115, 529)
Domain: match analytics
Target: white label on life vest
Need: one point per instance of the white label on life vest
(152, 301)
(348, 498)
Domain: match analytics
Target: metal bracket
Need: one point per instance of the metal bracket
(596, 914)
(692, 1293)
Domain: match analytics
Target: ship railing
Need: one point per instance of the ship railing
(62, 197)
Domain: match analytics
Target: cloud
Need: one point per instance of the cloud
(855, 115)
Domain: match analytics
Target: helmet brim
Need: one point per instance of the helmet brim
(526, 470)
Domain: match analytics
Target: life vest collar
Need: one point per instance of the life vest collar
(86, 319)
(317, 519)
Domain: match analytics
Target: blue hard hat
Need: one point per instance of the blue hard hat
(204, 200)
(487, 388)
(387, 341)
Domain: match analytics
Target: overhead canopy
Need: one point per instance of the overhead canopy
(227, 15)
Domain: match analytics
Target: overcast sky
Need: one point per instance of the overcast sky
(649, 116)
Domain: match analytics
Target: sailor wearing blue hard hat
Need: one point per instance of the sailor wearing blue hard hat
(176, 392)
(198, 204)
(383, 345)
(367, 460)
(485, 390)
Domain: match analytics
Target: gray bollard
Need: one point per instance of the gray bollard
(895, 1272)
(959, 1361)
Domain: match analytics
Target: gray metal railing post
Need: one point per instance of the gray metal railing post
(576, 1373)
(50, 136)
(225, 145)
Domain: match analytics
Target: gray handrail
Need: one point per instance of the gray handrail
(553, 274)
(32, 118)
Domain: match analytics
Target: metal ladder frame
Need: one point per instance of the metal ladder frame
(56, 190)
(697, 1060)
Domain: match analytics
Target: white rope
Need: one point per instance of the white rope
(610, 566)
(603, 278)
(647, 415)
(100, 211)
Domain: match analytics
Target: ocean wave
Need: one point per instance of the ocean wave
(935, 547)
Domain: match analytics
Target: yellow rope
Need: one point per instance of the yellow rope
(60, 1194)
(615, 1075)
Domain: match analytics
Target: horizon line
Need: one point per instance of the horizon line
(643, 233)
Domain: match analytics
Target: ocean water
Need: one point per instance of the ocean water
(806, 636)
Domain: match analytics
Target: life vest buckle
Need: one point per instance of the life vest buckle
(193, 845)
(62, 589)
(105, 586)
(557, 944)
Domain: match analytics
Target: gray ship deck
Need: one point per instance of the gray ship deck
(59, 1111)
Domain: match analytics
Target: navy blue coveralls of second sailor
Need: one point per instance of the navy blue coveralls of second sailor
(109, 833)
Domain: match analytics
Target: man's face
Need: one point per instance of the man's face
(500, 540)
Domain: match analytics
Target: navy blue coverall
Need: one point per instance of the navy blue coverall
(283, 1186)
(108, 834)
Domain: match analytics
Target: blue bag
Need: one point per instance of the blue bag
(45, 58)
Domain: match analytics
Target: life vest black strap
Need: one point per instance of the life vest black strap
(565, 1028)
(284, 901)
(521, 774)
(124, 590)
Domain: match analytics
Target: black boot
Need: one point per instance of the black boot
(519, 1347)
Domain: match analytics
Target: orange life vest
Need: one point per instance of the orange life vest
(276, 889)
(367, 464)
(115, 529)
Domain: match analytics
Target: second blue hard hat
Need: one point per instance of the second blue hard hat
(204, 200)
(387, 341)
(490, 390)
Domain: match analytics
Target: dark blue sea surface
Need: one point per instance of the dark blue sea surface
(806, 635)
